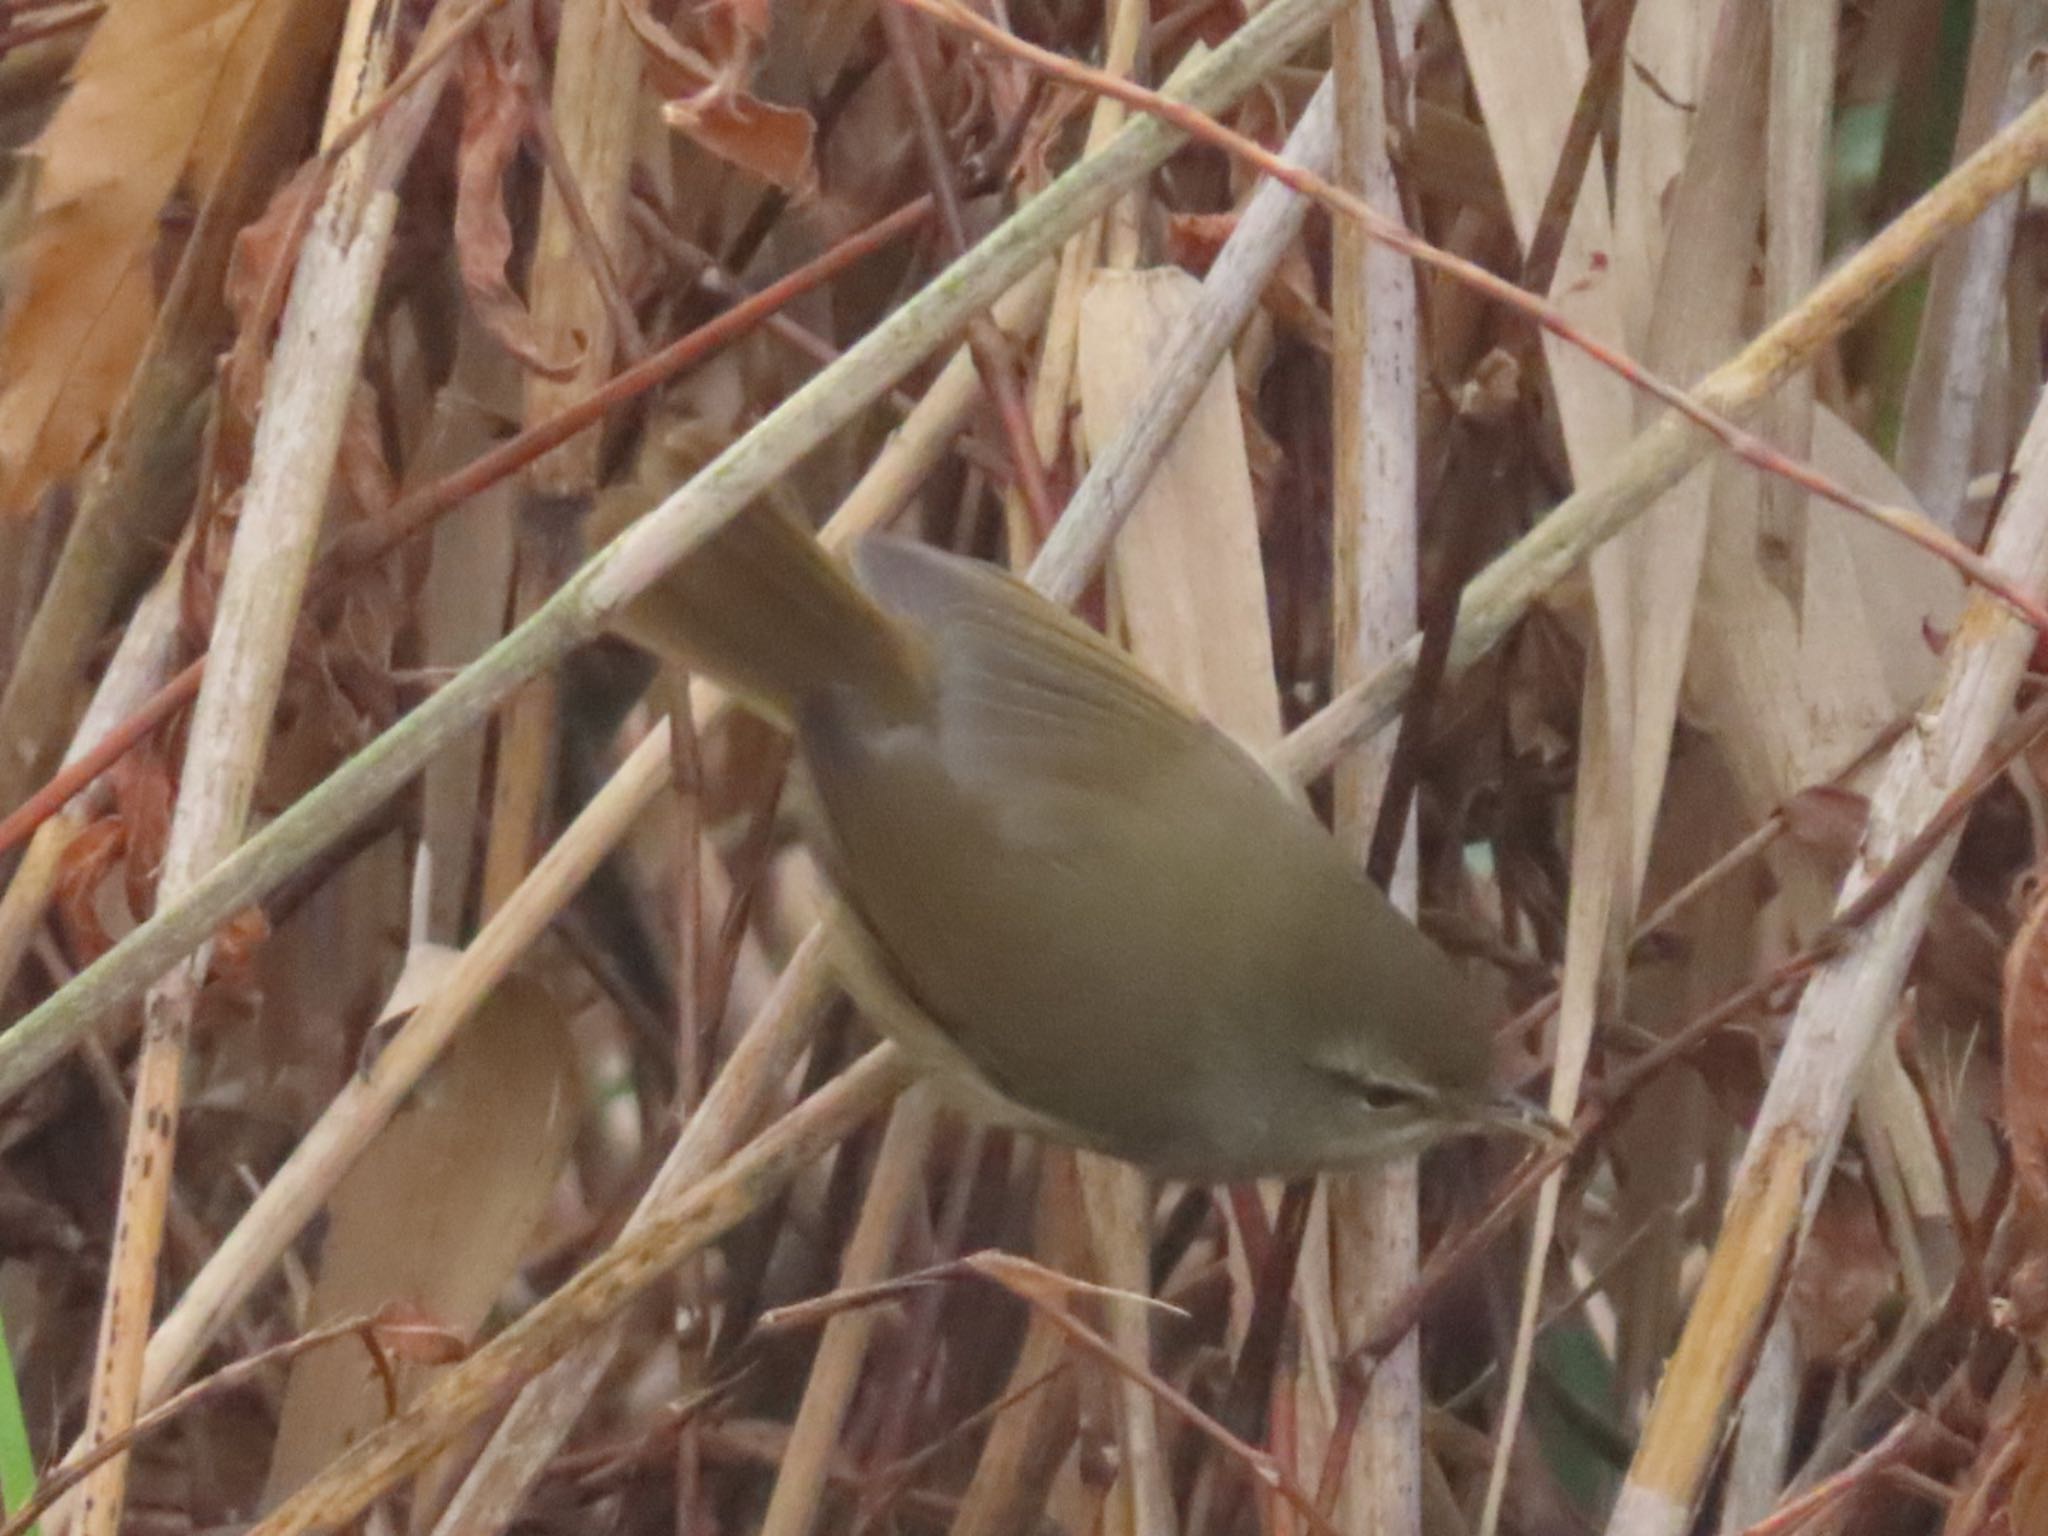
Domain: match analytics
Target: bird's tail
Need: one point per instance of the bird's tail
(762, 609)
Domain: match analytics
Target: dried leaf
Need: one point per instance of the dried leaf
(708, 103)
(143, 792)
(2026, 1052)
(75, 896)
(155, 95)
(436, 1215)
(1187, 563)
(235, 944)
(497, 104)
(1844, 1274)
(2029, 1508)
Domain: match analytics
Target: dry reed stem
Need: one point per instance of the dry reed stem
(835, 396)
(1705, 233)
(1554, 321)
(703, 1214)
(594, 109)
(1501, 595)
(1237, 278)
(574, 305)
(916, 447)
(129, 506)
(148, 646)
(297, 1190)
(1372, 1216)
(1961, 330)
(1802, 72)
(1840, 1021)
(539, 1420)
(870, 1257)
(1052, 386)
(235, 1374)
(993, 359)
(292, 461)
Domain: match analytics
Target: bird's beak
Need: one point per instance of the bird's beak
(1523, 1117)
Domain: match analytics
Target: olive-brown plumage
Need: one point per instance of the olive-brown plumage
(1117, 920)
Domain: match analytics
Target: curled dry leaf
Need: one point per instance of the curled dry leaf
(497, 104)
(93, 854)
(2029, 1508)
(1845, 1273)
(147, 121)
(128, 841)
(2026, 1052)
(258, 280)
(235, 944)
(708, 102)
(143, 793)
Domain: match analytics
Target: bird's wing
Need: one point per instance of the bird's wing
(1021, 681)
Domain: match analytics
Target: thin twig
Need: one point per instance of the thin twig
(1695, 407)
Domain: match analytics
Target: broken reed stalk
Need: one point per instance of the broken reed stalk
(306, 398)
(1370, 1219)
(1950, 203)
(1497, 599)
(835, 396)
(1841, 1019)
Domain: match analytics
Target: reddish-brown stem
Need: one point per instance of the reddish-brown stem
(1744, 445)
(992, 360)
(412, 514)
(46, 802)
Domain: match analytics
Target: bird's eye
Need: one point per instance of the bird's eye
(1380, 1092)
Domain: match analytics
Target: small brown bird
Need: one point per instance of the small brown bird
(1116, 921)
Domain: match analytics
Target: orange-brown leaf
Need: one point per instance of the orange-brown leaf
(142, 787)
(75, 898)
(1845, 1272)
(2026, 1052)
(2029, 1507)
(496, 104)
(147, 119)
(708, 102)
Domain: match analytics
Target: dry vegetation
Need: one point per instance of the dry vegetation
(425, 1091)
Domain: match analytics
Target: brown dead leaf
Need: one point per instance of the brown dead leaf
(235, 944)
(1844, 1274)
(127, 842)
(75, 896)
(1827, 820)
(143, 792)
(258, 280)
(708, 102)
(436, 1215)
(2025, 1027)
(2029, 1508)
(1187, 562)
(154, 98)
(497, 104)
